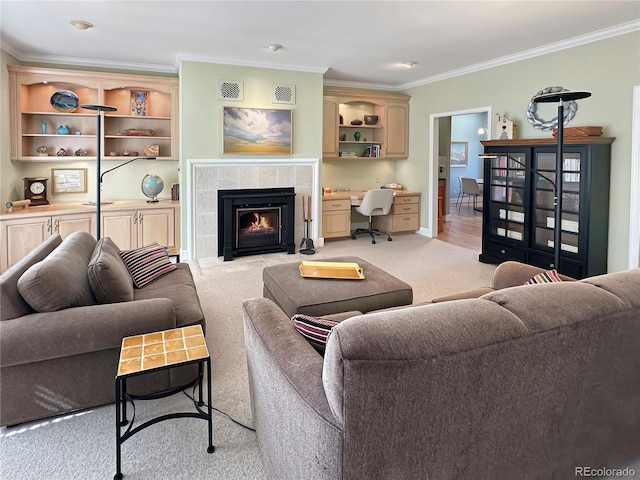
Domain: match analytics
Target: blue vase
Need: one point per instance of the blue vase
(357, 136)
(64, 130)
(43, 124)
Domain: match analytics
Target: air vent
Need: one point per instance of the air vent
(231, 90)
(284, 94)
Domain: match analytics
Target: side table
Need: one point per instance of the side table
(151, 352)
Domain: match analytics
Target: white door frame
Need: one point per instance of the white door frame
(432, 231)
(634, 197)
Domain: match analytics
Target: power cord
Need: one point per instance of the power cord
(195, 402)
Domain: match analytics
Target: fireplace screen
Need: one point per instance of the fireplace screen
(257, 226)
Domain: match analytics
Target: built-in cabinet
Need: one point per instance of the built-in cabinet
(404, 215)
(129, 223)
(519, 210)
(387, 137)
(336, 217)
(35, 121)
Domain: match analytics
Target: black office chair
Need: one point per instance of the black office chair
(375, 202)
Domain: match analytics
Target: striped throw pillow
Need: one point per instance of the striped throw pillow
(147, 263)
(315, 330)
(550, 276)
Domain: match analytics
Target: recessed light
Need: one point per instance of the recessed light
(408, 64)
(81, 24)
(274, 47)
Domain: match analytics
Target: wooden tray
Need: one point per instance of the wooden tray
(337, 270)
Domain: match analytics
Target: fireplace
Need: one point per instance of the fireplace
(255, 220)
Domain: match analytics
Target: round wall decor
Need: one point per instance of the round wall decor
(570, 108)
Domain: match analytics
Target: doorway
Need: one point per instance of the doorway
(460, 128)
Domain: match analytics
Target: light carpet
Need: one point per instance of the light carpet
(82, 445)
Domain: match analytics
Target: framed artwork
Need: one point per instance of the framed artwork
(69, 180)
(459, 154)
(139, 103)
(257, 131)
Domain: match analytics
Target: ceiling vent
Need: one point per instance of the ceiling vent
(231, 90)
(284, 94)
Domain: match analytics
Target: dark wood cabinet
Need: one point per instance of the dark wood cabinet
(519, 208)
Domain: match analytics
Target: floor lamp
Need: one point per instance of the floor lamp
(560, 97)
(99, 109)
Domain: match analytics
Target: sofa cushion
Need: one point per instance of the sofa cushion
(315, 329)
(147, 263)
(108, 276)
(549, 276)
(60, 281)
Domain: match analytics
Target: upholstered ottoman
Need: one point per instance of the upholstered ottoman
(320, 296)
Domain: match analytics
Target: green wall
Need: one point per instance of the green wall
(608, 68)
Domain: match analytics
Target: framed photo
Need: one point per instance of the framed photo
(459, 154)
(257, 131)
(139, 103)
(69, 180)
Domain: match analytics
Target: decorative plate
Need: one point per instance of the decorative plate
(64, 101)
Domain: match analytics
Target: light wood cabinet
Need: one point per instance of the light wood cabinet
(34, 121)
(336, 218)
(129, 223)
(18, 236)
(404, 215)
(387, 138)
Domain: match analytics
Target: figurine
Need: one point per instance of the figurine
(64, 130)
(43, 125)
(42, 151)
(62, 152)
(80, 152)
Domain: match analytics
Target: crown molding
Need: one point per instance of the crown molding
(184, 56)
(370, 86)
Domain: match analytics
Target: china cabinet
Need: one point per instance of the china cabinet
(519, 211)
(43, 130)
(383, 136)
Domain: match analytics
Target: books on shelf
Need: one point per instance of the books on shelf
(564, 246)
(568, 225)
(515, 216)
(348, 154)
(509, 233)
(372, 151)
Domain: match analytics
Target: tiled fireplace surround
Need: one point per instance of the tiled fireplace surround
(206, 177)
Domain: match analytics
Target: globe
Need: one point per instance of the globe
(151, 186)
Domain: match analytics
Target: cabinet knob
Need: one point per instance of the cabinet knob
(49, 225)
(503, 251)
(56, 225)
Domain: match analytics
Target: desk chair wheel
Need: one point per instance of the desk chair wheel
(353, 237)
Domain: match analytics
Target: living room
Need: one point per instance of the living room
(607, 63)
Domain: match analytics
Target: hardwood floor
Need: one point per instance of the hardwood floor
(464, 227)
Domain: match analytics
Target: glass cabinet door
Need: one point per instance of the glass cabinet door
(543, 198)
(506, 181)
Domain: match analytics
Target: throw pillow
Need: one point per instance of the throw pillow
(550, 276)
(147, 263)
(315, 330)
(108, 275)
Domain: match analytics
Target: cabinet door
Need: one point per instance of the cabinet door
(330, 115)
(121, 227)
(397, 130)
(156, 225)
(336, 223)
(20, 236)
(74, 222)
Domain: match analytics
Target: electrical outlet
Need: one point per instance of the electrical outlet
(377, 180)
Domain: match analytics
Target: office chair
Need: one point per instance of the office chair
(375, 202)
(470, 188)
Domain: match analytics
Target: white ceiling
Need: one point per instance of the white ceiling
(359, 43)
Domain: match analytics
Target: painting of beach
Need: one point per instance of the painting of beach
(257, 131)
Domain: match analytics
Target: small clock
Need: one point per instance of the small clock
(35, 189)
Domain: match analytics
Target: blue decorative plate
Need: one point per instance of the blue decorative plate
(64, 101)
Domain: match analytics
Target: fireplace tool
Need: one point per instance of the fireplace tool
(307, 241)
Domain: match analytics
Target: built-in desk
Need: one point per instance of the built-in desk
(336, 213)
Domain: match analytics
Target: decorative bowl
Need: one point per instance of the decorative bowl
(64, 101)
(356, 122)
(370, 119)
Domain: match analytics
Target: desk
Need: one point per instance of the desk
(336, 213)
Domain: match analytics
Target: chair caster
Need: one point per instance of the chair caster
(389, 239)
(353, 237)
(373, 241)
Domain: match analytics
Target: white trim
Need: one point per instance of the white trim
(432, 190)
(193, 164)
(634, 194)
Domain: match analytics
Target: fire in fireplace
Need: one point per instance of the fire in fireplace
(254, 221)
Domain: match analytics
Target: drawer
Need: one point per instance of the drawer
(504, 252)
(567, 267)
(405, 222)
(398, 200)
(403, 209)
(336, 204)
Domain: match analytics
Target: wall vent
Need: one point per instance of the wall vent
(231, 90)
(284, 94)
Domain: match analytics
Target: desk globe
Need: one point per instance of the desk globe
(151, 186)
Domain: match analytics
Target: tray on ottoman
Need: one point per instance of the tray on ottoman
(337, 270)
(293, 293)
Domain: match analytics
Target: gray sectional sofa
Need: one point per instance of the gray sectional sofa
(63, 358)
(525, 382)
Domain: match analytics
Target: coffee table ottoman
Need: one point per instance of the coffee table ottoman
(293, 293)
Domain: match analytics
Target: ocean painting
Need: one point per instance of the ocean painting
(257, 131)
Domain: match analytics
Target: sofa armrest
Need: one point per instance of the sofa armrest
(512, 274)
(271, 340)
(72, 331)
